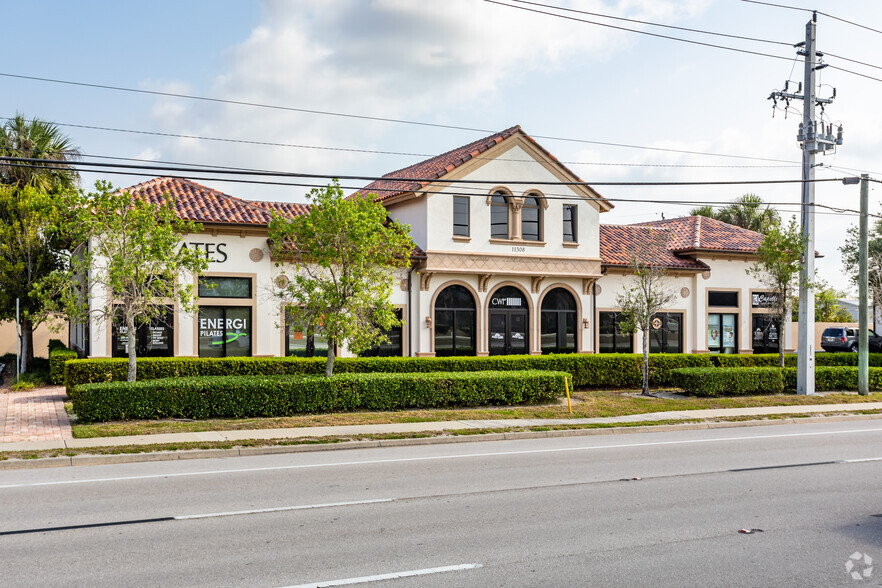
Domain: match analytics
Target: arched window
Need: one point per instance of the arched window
(531, 219)
(455, 322)
(499, 216)
(558, 322)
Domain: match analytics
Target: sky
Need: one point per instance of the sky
(576, 87)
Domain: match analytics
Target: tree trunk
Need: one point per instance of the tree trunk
(332, 355)
(27, 346)
(646, 363)
(133, 351)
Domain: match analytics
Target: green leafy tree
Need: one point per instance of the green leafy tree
(34, 198)
(345, 253)
(748, 212)
(827, 307)
(648, 293)
(134, 254)
(781, 259)
(851, 259)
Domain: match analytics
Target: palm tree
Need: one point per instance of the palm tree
(37, 139)
(749, 212)
(41, 140)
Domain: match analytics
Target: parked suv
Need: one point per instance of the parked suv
(846, 339)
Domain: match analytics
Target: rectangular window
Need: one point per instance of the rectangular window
(224, 331)
(612, 340)
(570, 223)
(666, 335)
(722, 333)
(392, 348)
(153, 339)
(722, 298)
(222, 287)
(461, 216)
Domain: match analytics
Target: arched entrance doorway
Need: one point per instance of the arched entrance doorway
(509, 319)
(455, 324)
(558, 322)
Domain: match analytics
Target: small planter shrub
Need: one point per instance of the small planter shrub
(59, 354)
(265, 396)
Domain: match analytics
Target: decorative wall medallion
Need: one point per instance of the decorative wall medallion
(282, 281)
(684, 292)
(255, 254)
(597, 289)
(705, 275)
(403, 285)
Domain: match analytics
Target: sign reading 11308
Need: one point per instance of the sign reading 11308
(518, 249)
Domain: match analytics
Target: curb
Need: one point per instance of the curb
(91, 460)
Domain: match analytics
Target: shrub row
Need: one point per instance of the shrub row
(603, 370)
(267, 396)
(59, 353)
(771, 360)
(766, 380)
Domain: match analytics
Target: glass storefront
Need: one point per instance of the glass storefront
(558, 322)
(666, 334)
(392, 348)
(765, 333)
(611, 338)
(153, 339)
(304, 342)
(508, 322)
(722, 333)
(225, 331)
(455, 322)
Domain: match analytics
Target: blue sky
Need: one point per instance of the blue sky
(459, 62)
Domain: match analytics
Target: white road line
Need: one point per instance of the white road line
(392, 576)
(862, 460)
(279, 509)
(440, 457)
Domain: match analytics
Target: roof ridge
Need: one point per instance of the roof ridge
(697, 241)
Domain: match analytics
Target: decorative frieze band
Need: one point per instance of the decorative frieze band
(484, 264)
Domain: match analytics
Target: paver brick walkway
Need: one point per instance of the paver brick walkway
(34, 415)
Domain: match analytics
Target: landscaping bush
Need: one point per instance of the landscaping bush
(832, 378)
(58, 355)
(771, 360)
(611, 370)
(267, 396)
(729, 381)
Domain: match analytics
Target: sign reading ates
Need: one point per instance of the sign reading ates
(764, 300)
(211, 250)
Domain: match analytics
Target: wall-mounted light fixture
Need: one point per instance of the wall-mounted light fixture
(428, 322)
(584, 323)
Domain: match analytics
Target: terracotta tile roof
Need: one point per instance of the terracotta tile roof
(422, 173)
(199, 203)
(289, 209)
(618, 244)
(700, 233)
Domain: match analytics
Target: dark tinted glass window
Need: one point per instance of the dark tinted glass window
(530, 225)
(612, 340)
(499, 216)
(224, 331)
(829, 332)
(461, 216)
(455, 322)
(558, 322)
(391, 348)
(508, 297)
(722, 298)
(455, 297)
(219, 287)
(666, 333)
(569, 223)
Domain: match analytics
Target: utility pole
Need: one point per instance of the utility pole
(863, 319)
(814, 137)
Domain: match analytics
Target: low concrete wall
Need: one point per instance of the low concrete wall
(9, 341)
(819, 328)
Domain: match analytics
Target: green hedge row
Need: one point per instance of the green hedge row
(266, 396)
(58, 355)
(771, 360)
(603, 370)
(766, 380)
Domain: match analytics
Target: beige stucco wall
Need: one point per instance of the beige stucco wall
(9, 342)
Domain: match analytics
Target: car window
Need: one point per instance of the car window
(831, 332)
(872, 333)
(851, 333)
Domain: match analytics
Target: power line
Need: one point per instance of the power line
(778, 5)
(379, 152)
(43, 163)
(654, 24)
(855, 24)
(827, 14)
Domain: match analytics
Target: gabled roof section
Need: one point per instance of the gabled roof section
(419, 175)
(619, 243)
(286, 209)
(195, 202)
(704, 234)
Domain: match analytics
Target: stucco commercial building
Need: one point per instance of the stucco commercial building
(512, 259)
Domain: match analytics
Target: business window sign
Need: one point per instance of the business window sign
(214, 252)
(224, 331)
(764, 300)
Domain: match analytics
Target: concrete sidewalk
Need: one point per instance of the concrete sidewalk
(358, 430)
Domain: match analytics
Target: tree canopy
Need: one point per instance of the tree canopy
(748, 212)
(344, 255)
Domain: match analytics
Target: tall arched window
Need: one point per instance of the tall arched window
(455, 322)
(558, 329)
(531, 219)
(499, 216)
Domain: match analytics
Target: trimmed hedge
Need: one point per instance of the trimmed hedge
(267, 396)
(767, 380)
(613, 370)
(771, 360)
(59, 354)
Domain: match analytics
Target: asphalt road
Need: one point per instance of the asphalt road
(549, 512)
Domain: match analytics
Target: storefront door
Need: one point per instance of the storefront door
(765, 334)
(153, 339)
(508, 332)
